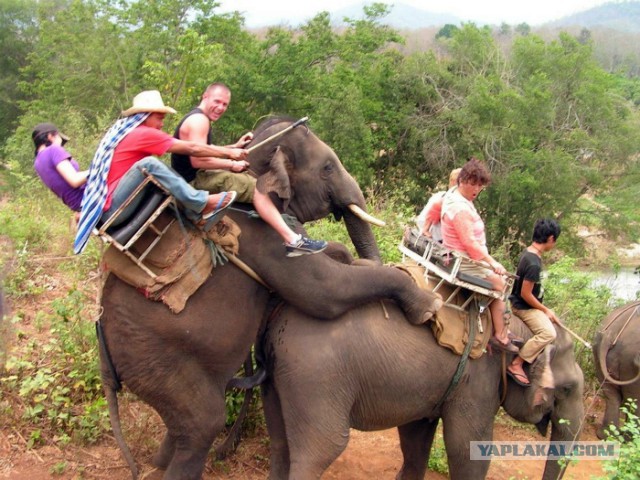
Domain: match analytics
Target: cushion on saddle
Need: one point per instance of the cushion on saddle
(181, 260)
(451, 326)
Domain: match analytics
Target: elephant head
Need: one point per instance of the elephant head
(307, 179)
(555, 394)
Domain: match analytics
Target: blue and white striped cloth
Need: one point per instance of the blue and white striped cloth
(95, 193)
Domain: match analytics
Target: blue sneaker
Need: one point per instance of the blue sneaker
(305, 246)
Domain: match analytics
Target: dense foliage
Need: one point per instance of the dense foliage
(551, 123)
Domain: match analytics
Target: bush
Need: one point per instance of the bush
(570, 293)
(57, 382)
(627, 466)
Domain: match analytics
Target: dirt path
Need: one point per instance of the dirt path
(369, 455)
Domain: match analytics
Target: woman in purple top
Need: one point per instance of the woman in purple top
(56, 167)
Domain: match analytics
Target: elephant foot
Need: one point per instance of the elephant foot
(425, 310)
(160, 461)
(164, 455)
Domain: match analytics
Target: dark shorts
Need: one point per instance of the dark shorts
(216, 181)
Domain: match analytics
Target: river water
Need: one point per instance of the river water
(624, 284)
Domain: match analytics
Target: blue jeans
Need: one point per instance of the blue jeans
(193, 201)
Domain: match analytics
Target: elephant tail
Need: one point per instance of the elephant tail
(111, 385)
(114, 418)
(603, 352)
(247, 383)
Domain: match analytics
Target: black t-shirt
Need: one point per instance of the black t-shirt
(529, 268)
(182, 163)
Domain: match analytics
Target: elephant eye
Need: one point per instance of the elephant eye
(328, 168)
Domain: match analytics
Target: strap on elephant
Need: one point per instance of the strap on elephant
(462, 364)
(503, 370)
(617, 317)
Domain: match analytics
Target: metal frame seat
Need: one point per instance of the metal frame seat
(126, 233)
(443, 265)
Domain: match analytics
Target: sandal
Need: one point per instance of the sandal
(518, 377)
(213, 217)
(516, 340)
(505, 347)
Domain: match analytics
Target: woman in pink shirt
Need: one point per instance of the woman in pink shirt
(463, 231)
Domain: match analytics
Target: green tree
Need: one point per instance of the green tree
(17, 37)
(447, 31)
(523, 29)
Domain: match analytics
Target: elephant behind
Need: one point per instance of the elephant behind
(371, 370)
(616, 353)
(180, 364)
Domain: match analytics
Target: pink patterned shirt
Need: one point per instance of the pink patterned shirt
(462, 227)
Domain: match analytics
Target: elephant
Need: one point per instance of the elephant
(180, 364)
(370, 369)
(616, 353)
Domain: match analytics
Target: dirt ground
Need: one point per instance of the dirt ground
(369, 455)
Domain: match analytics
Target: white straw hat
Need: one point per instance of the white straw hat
(148, 101)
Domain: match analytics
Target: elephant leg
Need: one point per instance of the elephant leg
(165, 452)
(190, 452)
(315, 438)
(309, 460)
(416, 439)
(193, 418)
(613, 401)
(279, 459)
(458, 431)
(326, 293)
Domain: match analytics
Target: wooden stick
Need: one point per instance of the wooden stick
(575, 335)
(278, 134)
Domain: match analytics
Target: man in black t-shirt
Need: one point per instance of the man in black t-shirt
(527, 295)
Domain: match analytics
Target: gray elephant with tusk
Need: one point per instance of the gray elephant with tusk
(180, 364)
(616, 353)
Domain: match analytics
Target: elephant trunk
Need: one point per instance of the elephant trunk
(566, 422)
(362, 237)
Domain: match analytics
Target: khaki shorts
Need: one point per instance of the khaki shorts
(475, 270)
(216, 181)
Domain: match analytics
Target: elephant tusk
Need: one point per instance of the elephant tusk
(362, 215)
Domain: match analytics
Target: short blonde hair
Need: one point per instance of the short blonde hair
(453, 177)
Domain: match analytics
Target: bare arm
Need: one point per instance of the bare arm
(463, 224)
(194, 149)
(195, 129)
(527, 295)
(71, 175)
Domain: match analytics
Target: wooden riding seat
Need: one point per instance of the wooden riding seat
(127, 230)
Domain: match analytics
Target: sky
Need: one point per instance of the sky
(533, 12)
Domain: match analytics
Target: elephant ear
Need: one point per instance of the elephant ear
(276, 179)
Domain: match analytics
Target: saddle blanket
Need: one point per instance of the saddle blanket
(182, 261)
(451, 326)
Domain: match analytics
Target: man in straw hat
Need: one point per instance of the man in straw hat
(131, 145)
(215, 174)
